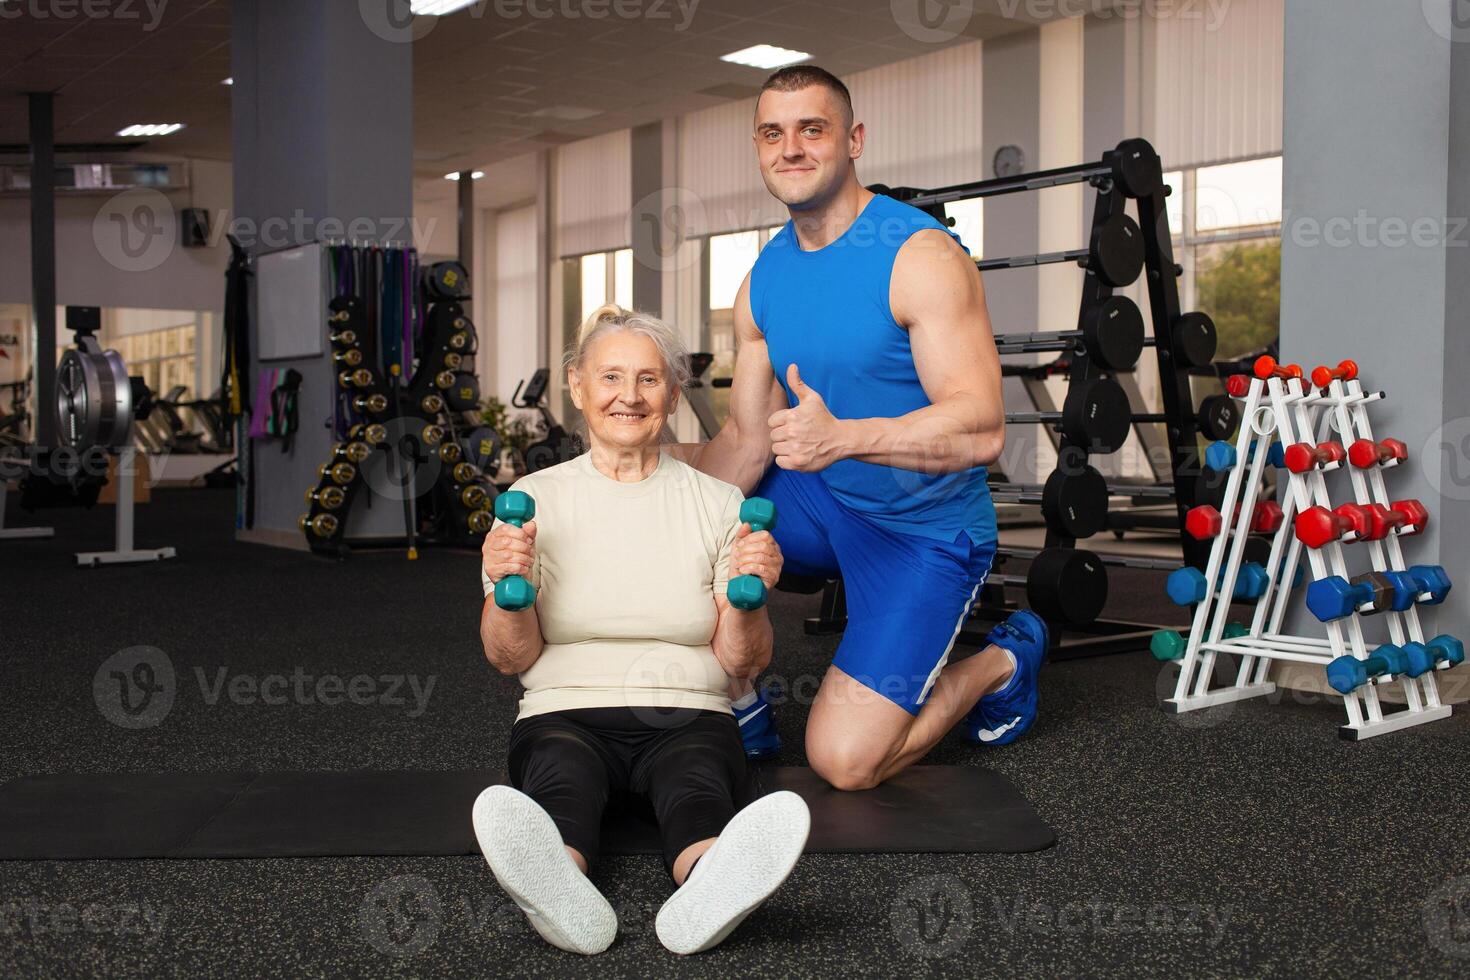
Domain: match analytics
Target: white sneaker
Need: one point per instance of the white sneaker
(745, 865)
(524, 850)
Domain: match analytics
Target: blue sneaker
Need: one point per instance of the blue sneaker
(1003, 716)
(758, 729)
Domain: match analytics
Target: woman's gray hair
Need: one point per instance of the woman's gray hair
(611, 318)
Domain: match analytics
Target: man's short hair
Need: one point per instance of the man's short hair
(795, 77)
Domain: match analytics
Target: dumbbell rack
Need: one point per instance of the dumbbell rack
(411, 425)
(1281, 407)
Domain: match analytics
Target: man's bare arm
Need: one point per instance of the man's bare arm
(938, 296)
(740, 452)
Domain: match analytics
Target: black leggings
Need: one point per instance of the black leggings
(689, 765)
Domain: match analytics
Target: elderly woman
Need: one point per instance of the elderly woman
(626, 657)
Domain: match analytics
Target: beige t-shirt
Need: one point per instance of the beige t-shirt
(625, 577)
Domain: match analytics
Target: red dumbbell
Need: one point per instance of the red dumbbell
(1316, 526)
(1238, 385)
(1267, 517)
(1302, 456)
(1266, 367)
(1381, 520)
(1324, 376)
(1203, 522)
(1416, 517)
(1365, 453)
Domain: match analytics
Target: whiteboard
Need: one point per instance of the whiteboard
(290, 304)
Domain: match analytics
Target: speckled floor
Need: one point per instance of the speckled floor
(1245, 841)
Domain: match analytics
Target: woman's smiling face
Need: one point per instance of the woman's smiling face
(623, 390)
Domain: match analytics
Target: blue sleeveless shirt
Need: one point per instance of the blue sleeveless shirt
(828, 312)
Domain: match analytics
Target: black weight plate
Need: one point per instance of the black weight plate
(1209, 488)
(1117, 250)
(1113, 331)
(447, 280)
(464, 394)
(1067, 585)
(1137, 169)
(1219, 417)
(1257, 549)
(482, 448)
(1194, 340)
(1075, 505)
(1096, 415)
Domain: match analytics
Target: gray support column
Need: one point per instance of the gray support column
(1011, 114)
(323, 148)
(43, 263)
(466, 217)
(648, 192)
(1374, 263)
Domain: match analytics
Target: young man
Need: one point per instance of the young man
(867, 368)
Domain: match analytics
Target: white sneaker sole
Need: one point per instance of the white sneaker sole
(746, 864)
(525, 852)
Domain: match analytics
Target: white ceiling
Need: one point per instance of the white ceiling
(486, 87)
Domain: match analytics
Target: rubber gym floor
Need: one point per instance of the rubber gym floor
(1244, 841)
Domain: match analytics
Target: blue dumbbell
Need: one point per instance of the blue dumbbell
(1347, 673)
(1447, 649)
(1333, 597)
(1220, 456)
(1405, 590)
(514, 593)
(1186, 586)
(1276, 455)
(1418, 660)
(748, 591)
(1431, 579)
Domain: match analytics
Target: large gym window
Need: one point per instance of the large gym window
(728, 259)
(588, 281)
(1226, 223)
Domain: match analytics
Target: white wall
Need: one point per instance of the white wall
(514, 301)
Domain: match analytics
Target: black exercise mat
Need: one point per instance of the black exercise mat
(928, 809)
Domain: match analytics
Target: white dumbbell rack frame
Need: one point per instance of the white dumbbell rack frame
(1292, 411)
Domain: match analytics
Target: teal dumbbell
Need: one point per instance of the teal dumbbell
(1347, 673)
(748, 591)
(1167, 645)
(514, 593)
(1418, 660)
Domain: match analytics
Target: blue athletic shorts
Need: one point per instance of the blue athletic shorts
(907, 596)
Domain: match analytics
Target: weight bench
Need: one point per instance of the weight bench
(927, 809)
